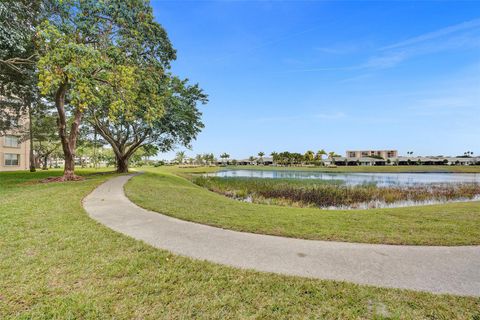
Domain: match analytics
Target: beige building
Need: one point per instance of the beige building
(385, 154)
(14, 152)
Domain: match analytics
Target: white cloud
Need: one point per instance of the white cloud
(385, 61)
(339, 49)
(467, 25)
(460, 36)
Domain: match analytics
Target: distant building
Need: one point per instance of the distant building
(402, 161)
(372, 158)
(266, 161)
(385, 154)
(14, 152)
(348, 161)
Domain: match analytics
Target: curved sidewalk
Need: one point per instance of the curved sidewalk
(453, 270)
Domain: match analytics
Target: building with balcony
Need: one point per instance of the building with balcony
(14, 153)
(385, 154)
(14, 149)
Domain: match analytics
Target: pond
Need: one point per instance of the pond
(354, 178)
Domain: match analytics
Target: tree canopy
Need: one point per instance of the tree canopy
(17, 59)
(169, 119)
(102, 64)
(108, 59)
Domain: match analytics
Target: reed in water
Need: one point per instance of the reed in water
(334, 194)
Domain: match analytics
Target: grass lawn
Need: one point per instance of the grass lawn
(373, 169)
(57, 263)
(162, 190)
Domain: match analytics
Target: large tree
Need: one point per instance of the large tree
(18, 56)
(166, 115)
(89, 49)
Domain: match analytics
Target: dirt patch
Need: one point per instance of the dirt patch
(62, 179)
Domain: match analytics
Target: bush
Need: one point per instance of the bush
(159, 164)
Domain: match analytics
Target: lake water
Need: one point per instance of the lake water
(379, 179)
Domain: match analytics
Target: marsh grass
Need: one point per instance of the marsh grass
(334, 194)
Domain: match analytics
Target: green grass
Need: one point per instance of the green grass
(57, 263)
(162, 190)
(373, 169)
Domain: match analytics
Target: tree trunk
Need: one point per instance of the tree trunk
(68, 140)
(45, 162)
(69, 169)
(32, 157)
(120, 149)
(122, 164)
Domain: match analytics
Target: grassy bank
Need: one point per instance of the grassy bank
(57, 263)
(372, 169)
(326, 193)
(451, 224)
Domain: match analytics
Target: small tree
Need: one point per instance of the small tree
(209, 158)
(309, 156)
(199, 159)
(275, 157)
(180, 157)
(225, 156)
(319, 155)
(260, 156)
(44, 135)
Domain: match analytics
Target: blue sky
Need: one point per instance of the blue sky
(336, 75)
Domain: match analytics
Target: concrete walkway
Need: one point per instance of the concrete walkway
(454, 270)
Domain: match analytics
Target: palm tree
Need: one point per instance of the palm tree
(251, 159)
(261, 154)
(180, 157)
(309, 156)
(199, 159)
(274, 157)
(320, 154)
(224, 157)
(331, 156)
(209, 158)
(206, 158)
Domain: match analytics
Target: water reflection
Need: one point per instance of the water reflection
(379, 179)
